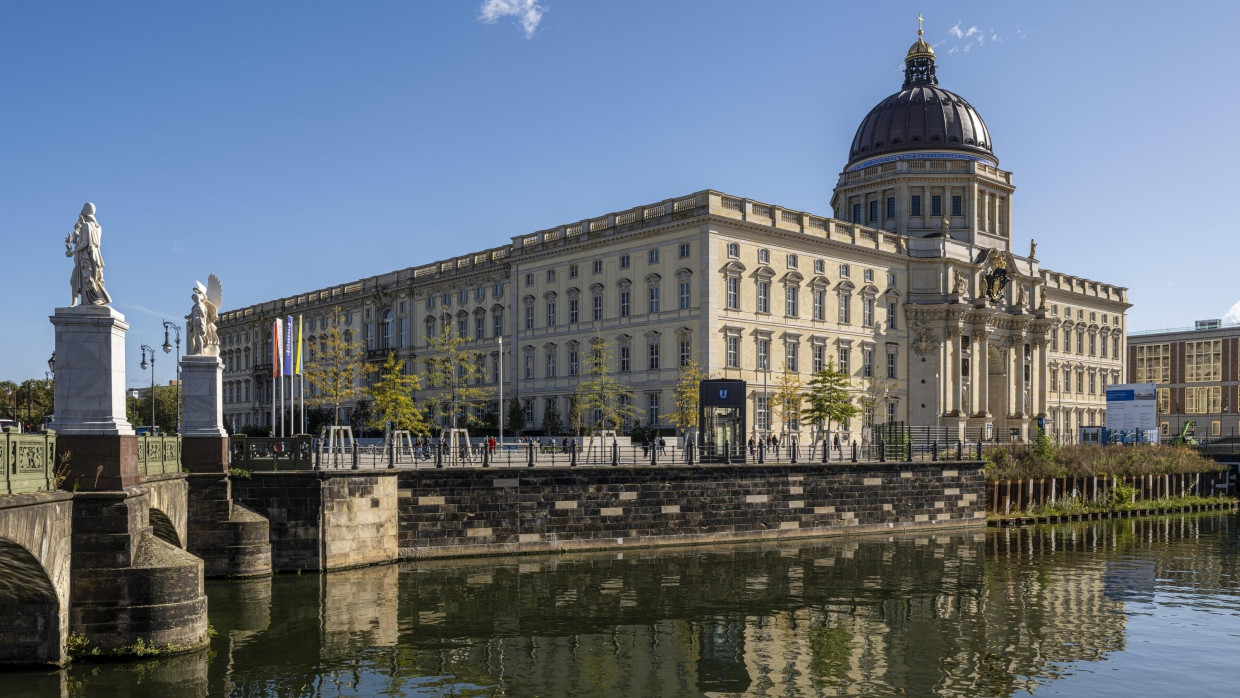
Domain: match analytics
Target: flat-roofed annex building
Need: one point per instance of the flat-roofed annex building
(919, 286)
(1196, 372)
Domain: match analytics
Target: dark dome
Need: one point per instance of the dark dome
(922, 116)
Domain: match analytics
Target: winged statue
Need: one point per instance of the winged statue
(203, 339)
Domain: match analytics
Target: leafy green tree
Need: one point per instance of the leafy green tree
(453, 373)
(875, 392)
(165, 397)
(553, 424)
(392, 398)
(606, 402)
(685, 396)
(334, 369)
(515, 422)
(829, 399)
(786, 402)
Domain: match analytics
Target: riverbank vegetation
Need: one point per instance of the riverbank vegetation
(1044, 459)
(1073, 505)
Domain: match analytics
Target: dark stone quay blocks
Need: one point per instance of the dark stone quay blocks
(469, 512)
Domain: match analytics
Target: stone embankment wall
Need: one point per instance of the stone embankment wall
(486, 511)
(324, 520)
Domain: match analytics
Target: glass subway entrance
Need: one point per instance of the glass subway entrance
(722, 421)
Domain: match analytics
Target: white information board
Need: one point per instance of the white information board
(1131, 406)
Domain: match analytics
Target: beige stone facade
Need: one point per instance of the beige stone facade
(922, 287)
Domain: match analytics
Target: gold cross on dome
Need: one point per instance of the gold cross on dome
(918, 24)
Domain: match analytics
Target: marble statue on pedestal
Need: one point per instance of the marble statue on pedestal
(83, 246)
(203, 339)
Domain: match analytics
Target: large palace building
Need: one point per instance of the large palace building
(914, 281)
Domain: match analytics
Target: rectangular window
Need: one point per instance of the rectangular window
(624, 261)
(574, 361)
(845, 301)
(529, 366)
(764, 354)
(1203, 400)
(763, 416)
(1115, 346)
(480, 328)
(792, 354)
(1054, 340)
(891, 315)
(936, 205)
(653, 354)
(404, 332)
(856, 218)
(529, 316)
(867, 362)
(551, 313)
(529, 281)
(819, 302)
(818, 359)
(1080, 342)
(624, 303)
(734, 301)
(867, 312)
(682, 358)
(1093, 344)
(572, 272)
(1153, 363)
(462, 297)
(1103, 348)
(573, 309)
(1164, 400)
(597, 307)
(499, 324)
(891, 207)
(550, 363)
(1216, 428)
(625, 358)
(550, 276)
(652, 257)
(764, 297)
(684, 250)
(733, 358)
(844, 363)
(498, 291)
(790, 303)
(891, 365)
(915, 205)
(873, 211)
(1203, 361)
(654, 299)
(597, 266)
(652, 409)
(684, 295)
(957, 208)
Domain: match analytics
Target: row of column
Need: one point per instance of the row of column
(1025, 400)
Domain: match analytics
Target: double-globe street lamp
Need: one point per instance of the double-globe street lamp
(147, 350)
(169, 325)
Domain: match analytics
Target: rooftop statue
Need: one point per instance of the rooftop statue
(203, 339)
(83, 246)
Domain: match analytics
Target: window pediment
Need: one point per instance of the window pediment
(793, 277)
(764, 272)
(845, 286)
(733, 267)
(869, 290)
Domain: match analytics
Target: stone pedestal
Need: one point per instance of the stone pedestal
(90, 371)
(202, 396)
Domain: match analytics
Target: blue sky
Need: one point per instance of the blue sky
(288, 146)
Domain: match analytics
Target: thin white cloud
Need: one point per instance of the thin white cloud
(964, 39)
(148, 311)
(528, 13)
(1233, 314)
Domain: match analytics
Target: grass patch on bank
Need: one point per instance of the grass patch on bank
(1044, 459)
(1073, 505)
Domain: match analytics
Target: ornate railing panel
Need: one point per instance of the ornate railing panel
(268, 453)
(29, 462)
(159, 455)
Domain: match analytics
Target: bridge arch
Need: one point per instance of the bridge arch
(30, 607)
(163, 528)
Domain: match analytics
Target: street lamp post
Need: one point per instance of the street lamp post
(169, 325)
(147, 350)
(500, 377)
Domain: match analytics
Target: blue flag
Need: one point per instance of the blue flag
(288, 347)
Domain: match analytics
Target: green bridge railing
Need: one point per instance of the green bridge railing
(29, 462)
(270, 453)
(159, 455)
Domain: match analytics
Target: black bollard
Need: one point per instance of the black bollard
(959, 450)
(530, 464)
(689, 448)
(615, 454)
(392, 453)
(882, 452)
(572, 457)
(761, 451)
(826, 451)
(486, 455)
(854, 456)
(793, 452)
(654, 453)
(934, 451)
(438, 457)
(727, 454)
(354, 455)
(979, 449)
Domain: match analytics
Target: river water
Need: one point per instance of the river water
(1128, 607)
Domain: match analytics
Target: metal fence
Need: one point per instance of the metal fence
(29, 462)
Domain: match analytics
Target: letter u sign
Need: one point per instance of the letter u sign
(723, 394)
